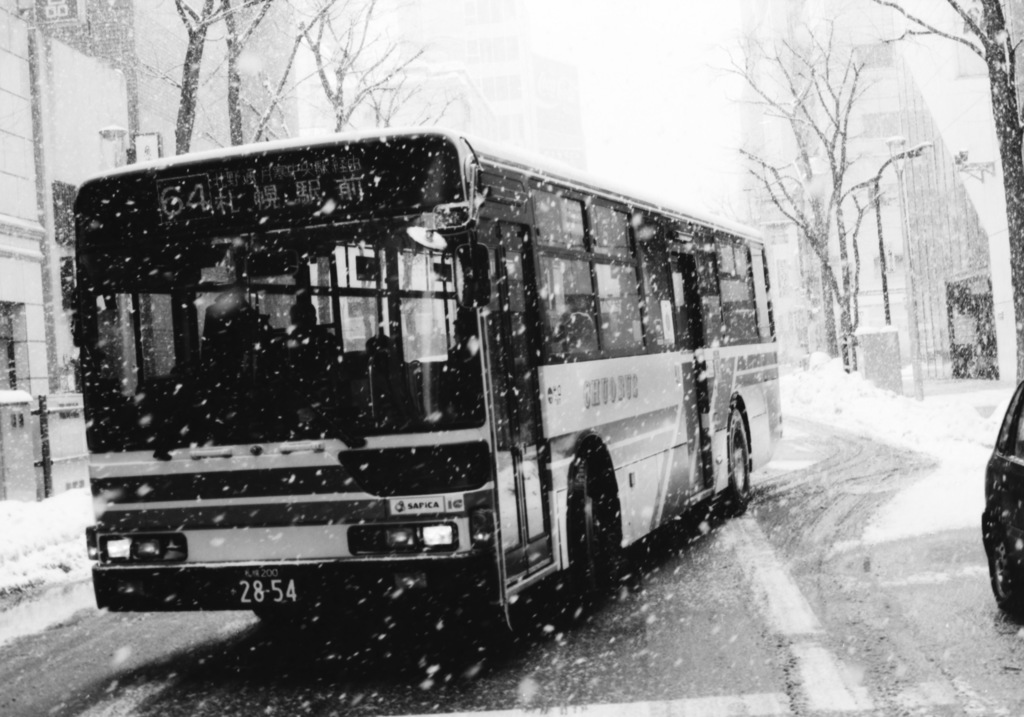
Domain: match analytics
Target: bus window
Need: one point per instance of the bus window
(765, 330)
(619, 305)
(358, 267)
(737, 290)
(567, 295)
(559, 220)
(116, 341)
(686, 300)
(610, 231)
(157, 334)
(659, 322)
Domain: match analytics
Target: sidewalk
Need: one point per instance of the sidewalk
(984, 396)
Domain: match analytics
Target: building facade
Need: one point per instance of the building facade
(929, 94)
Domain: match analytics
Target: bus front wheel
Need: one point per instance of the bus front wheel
(737, 495)
(596, 556)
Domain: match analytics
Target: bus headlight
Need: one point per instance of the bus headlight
(438, 535)
(401, 538)
(147, 549)
(165, 547)
(118, 548)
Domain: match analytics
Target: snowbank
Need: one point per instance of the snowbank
(44, 542)
(948, 428)
(827, 394)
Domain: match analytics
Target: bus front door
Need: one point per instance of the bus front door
(522, 491)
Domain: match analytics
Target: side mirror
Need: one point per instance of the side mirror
(472, 275)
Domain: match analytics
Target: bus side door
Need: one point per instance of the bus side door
(695, 285)
(523, 491)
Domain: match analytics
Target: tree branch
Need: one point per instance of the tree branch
(973, 26)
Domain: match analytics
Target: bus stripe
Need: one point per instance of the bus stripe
(198, 516)
(202, 485)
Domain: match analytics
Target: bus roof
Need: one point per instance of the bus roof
(529, 163)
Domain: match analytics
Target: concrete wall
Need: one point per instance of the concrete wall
(21, 231)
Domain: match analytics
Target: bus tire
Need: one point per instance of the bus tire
(737, 493)
(596, 556)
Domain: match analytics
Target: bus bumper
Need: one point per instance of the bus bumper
(305, 585)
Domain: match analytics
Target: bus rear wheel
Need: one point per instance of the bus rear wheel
(596, 556)
(737, 496)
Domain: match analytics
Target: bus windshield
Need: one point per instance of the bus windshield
(329, 332)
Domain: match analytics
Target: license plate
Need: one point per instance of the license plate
(261, 591)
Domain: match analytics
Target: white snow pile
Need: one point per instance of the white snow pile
(947, 428)
(44, 542)
(827, 394)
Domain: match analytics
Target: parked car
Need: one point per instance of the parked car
(1002, 522)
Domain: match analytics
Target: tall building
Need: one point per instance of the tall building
(930, 93)
(476, 72)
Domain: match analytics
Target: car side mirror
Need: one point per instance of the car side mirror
(472, 275)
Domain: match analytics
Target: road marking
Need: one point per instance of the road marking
(786, 608)
(766, 705)
(934, 578)
(828, 685)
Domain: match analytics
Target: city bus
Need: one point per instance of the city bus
(404, 366)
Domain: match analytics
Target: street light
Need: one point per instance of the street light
(113, 145)
(911, 153)
(898, 157)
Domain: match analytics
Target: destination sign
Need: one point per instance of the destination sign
(270, 187)
(228, 192)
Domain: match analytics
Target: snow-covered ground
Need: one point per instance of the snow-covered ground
(947, 426)
(44, 543)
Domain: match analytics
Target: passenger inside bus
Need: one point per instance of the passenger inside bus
(576, 333)
(389, 391)
(312, 362)
(462, 377)
(229, 334)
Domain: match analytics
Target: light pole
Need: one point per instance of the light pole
(875, 182)
(898, 156)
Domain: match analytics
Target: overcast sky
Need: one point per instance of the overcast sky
(656, 112)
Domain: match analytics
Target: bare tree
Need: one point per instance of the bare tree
(812, 87)
(986, 33)
(353, 60)
(240, 29)
(197, 25)
(386, 103)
